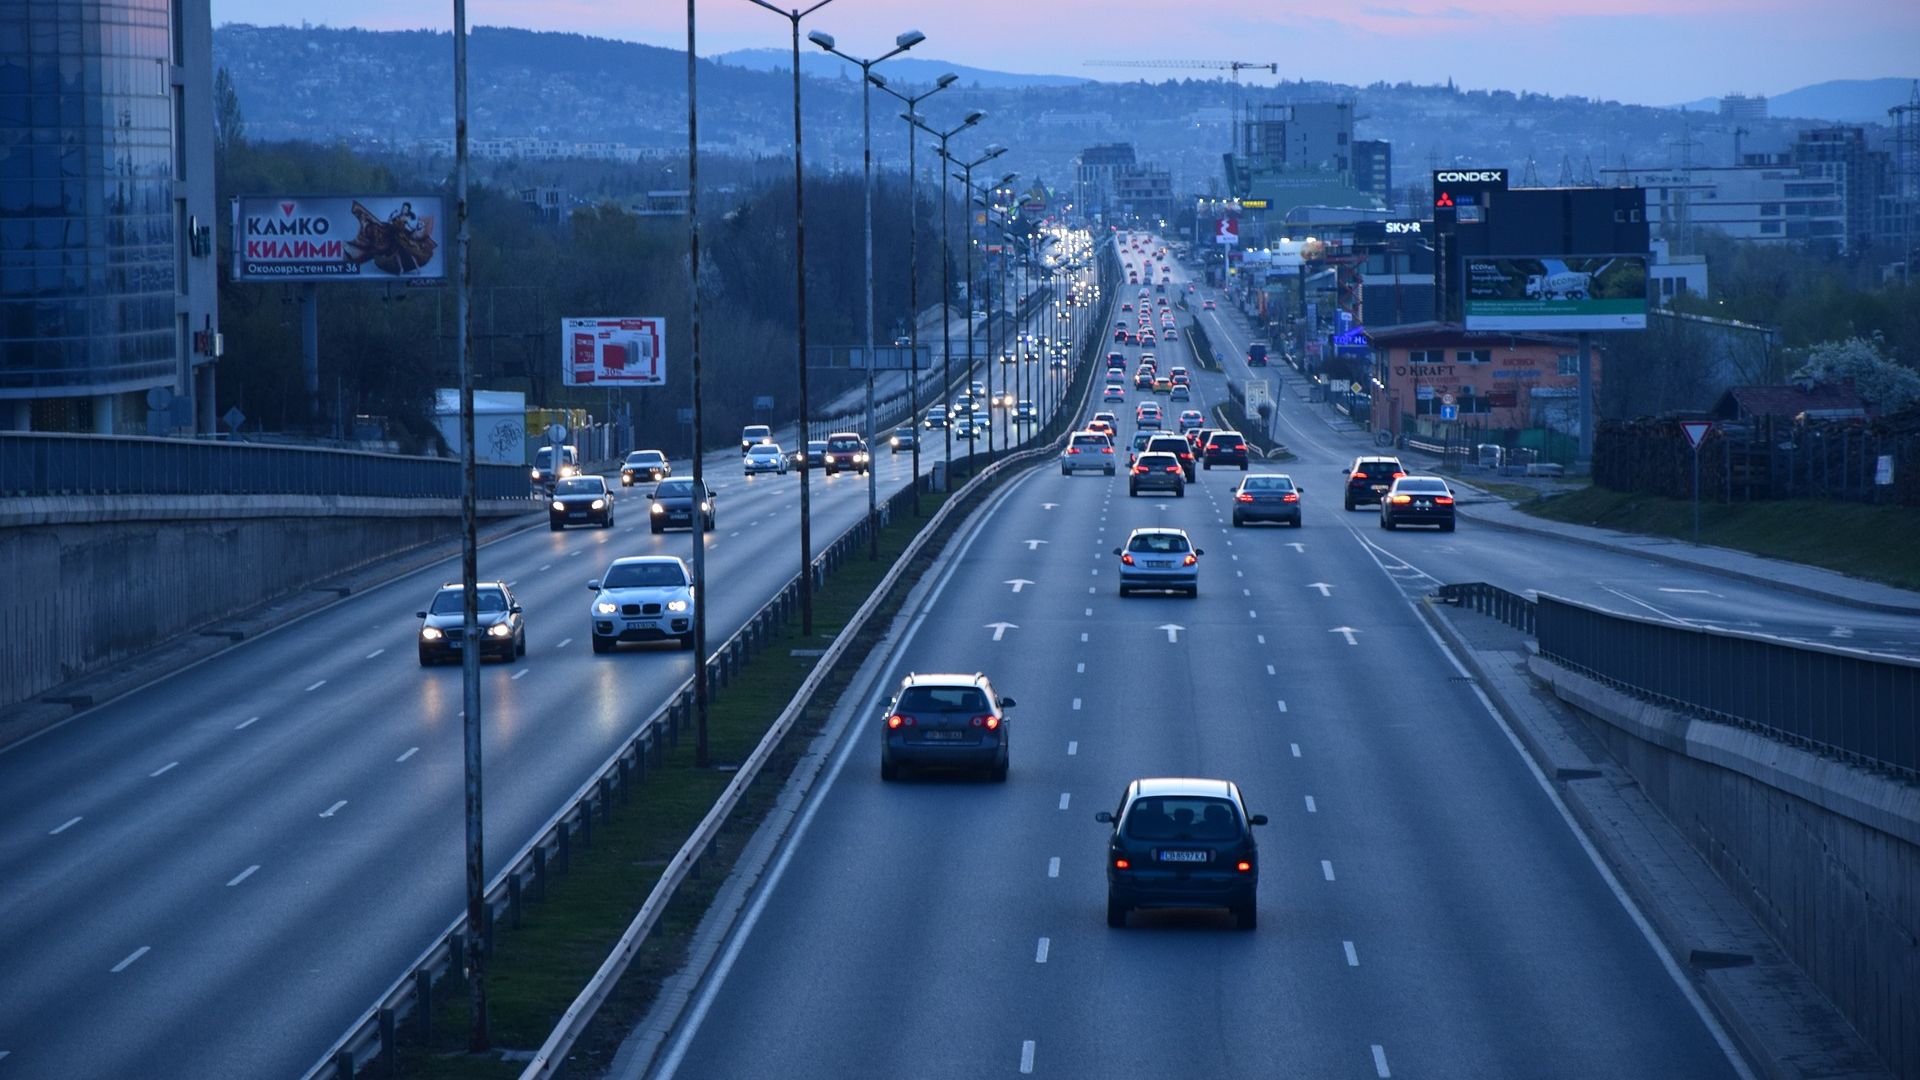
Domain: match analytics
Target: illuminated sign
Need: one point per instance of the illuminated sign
(1403, 228)
(1444, 200)
(1472, 176)
(1253, 204)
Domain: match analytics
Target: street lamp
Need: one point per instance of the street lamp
(913, 261)
(965, 176)
(946, 283)
(900, 44)
(982, 196)
(800, 320)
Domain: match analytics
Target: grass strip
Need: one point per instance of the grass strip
(536, 971)
(1863, 540)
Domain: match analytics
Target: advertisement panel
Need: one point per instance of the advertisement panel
(1546, 293)
(614, 352)
(1226, 231)
(375, 238)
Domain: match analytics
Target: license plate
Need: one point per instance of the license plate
(1185, 856)
(1379, 487)
(1158, 564)
(943, 736)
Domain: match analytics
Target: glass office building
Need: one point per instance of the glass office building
(104, 182)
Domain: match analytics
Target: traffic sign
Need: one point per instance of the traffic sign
(1696, 431)
(1446, 399)
(1449, 412)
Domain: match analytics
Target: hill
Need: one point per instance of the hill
(911, 69)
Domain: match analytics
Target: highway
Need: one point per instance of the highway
(214, 876)
(1426, 909)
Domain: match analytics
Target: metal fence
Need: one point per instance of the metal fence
(1511, 608)
(48, 464)
(1766, 458)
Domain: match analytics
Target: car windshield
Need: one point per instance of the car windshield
(1378, 468)
(674, 489)
(448, 602)
(581, 485)
(1174, 445)
(843, 444)
(756, 433)
(1422, 487)
(1268, 483)
(764, 450)
(1159, 543)
(646, 457)
(1170, 817)
(816, 448)
(966, 699)
(643, 575)
(1089, 440)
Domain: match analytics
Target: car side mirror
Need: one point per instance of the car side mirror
(593, 586)
(1104, 817)
(1116, 551)
(1257, 819)
(1006, 703)
(1198, 552)
(514, 610)
(419, 614)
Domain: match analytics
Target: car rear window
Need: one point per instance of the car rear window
(756, 432)
(1423, 487)
(966, 699)
(1378, 468)
(645, 457)
(1090, 440)
(1171, 817)
(581, 485)
(1269, 483)
(1159, 543)
(643, 575)
(1169, 444)
(1227, 440)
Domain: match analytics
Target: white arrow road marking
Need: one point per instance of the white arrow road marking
(1034, 545)
(1346, 630)
(1048, 506)
(1299, 547)
(334, 809)
(1841, 632)
(1325, 589)
(1173, 631)
(1017, 583)
(1000, 628)
(1159, 506)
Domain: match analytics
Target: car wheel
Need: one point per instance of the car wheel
(1109, 470)
(1246, 917)
(555, 526)
(425, 660)
(1386, 522)
(1180, 492)
(602, 644)
(1295, 522)
(656, 530)
(1238, 522)
(686, 641)
(1243, 466)
(709, 525)
(1209, 466)
(1132, 492)
(1116, 913)
(1124, 590)
(521, 649)
(1193, 591)
(1349, 505)
(1064, 471)
(889, 772)
(1447, 527)
(998, 774)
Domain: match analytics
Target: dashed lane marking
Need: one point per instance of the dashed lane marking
(163, 769)
(412, 750)
(68, 824)
(128, 962)
(243, 875)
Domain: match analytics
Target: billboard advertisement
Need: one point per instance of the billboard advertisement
(373, 238)
(614, 352)
(1226, 231)
(1546, 293)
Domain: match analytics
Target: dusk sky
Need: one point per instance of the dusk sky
(1654, 52)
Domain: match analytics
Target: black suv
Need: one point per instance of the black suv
(1175, 445)
(1369, 479)
(945, 721)
(1224, 448)
(1182, 843)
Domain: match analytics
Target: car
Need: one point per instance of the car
(642, 598)
(903, 438)
(1157, 472)
(967, 429)
(1147, 340)
(1147, 415)
(1181, 842)
(813, 455)
(1169, 443)
(945, 722)
(1257, 354)
(753, 435)
(936, 418)
(846, 452)
(1179, 374)
(1192, 287)
(1140, 440)
(1105, 416)
(1180, 391)
(672, 504)
(1161, 287)
(1116, 361)
(1369, 477)
(1191, 419)
(976, 391)
(1143, 379)
(764, 457)
(1266, 497)
(1197, 438)
(443, 625)
(546, 473)
(1026, 412)
(1113, 392)
(1159, 559)
(1087, 450)
(1417, 500)
(1162, 385)
(1171, 334)
(1132, 338)
(580, 500)
(1147, 361)
(1206, 305)
(1126, 305)
(647, 465)
(1224, 448)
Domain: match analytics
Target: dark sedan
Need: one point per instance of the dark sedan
(1266, 497)
(673, 505)
(1417, 500)
(1182, 843)
(644, 465)
(580, 500)
(503, 630)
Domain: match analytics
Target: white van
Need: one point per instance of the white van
(544, 471)
(754, 435)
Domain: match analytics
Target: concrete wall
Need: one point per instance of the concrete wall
(1826, 855)
(92, 582)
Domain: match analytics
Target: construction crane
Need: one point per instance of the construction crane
(1233, 66)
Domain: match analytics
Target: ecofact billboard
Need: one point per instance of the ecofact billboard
(384, 238)
(1548, 293)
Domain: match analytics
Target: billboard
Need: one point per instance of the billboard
(1226, 231)
(1546, 293)
(614, 352)
(376, 238)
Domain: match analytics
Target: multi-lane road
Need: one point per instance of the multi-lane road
(1426, 908)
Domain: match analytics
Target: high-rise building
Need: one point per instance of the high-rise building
(1373, 168)
(1144, 191)
(1771, 201)
(1309, 135)
(108, 277)
(1864, 177)
(1095, 176)
(1742, 107)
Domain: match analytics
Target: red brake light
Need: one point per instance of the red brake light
(993, 723)
(1190, 559)
(1243, 497)
(898, 720)
(1139, 468)
(1402, 500)
(1073, 449)
(1174, 468)
(1106, 449)
(1243, 866)
(1121, 864)
(1127, 559)
(1291, 496)
(1444, 500)
(1397, 475)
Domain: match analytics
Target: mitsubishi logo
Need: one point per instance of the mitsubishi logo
(1445, 199)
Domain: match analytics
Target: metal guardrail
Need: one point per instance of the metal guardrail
(1860, 707)
(49, 464)
(1509, 607)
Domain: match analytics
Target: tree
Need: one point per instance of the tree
(1884, 384)
(229, 126)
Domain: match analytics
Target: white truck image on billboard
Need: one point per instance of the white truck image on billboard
(1565, 285)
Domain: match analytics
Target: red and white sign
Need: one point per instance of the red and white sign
(1226, 231)
(614, 352)
(1696, 431)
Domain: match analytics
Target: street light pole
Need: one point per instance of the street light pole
(946, 282)
(966, 186)
(901, 44)
(701, 758)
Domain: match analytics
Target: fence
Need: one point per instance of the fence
(1511, 608)
(1765, 458)
(47, 464)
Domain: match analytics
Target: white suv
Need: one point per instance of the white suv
(1087, 450)
(642, 598)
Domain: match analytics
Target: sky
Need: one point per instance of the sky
(1651, 52)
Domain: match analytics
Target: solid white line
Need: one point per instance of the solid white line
(1053, 867)
(316, 686)
(1296, 749)
(331, 810)
(1270, 670)
(128, 962)
(519, 674)
(163, 768)
(1311, 808)
(1353, 958)
(1073, 747)
(244, 724)
(70, 824)
(1326, 867)
(1076, 704)
(1380, 1061)
(243, 875)
(412, 750)
(375, 653)
(1026, 1056)
(564, 642)
(1040, 951)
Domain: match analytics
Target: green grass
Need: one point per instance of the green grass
(1872, 542)
(536, 970)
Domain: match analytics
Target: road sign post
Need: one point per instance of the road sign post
(1696, 431)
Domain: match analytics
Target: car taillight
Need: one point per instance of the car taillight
(1139, 468)
(985, 721)
(899, 720)
(1106, 449)
(1190, 559)
(1121, 864)
(1243, 865)
(1126, 560)
(1291, 496)
(1402, 500)
(1443, 500)
(993, 723)
(1073, 449)
(1187, 457)
(1243, 497)
(1396, 476)
(1173, 468)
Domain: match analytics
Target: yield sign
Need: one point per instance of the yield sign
(1696, 431)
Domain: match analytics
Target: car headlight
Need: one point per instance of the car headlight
(428, 633)
(706, 508)
(677, 605)
(499, 629)
(657, 509)
(605, 607)
(861, 456)
(569, 470)
(558, 505)
(536, 474)
(599, 504)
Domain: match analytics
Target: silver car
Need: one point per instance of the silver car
(764, 457)
(1159, 559)
(642, 598)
